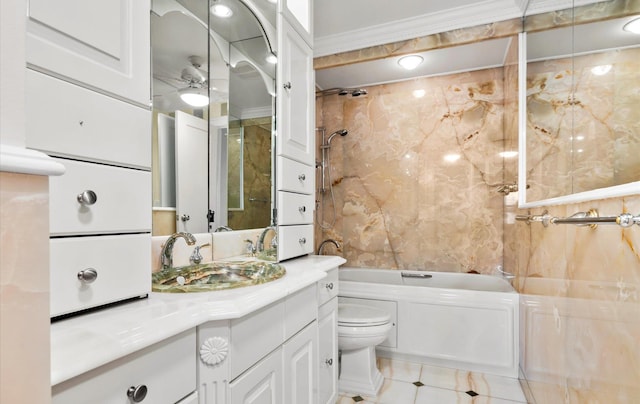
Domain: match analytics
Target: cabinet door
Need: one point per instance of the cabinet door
(299, 13)
(103, 45)
(300, 364)
(296, 106)
(328, 352)
(262, 384)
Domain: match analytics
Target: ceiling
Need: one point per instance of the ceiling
(341, 26)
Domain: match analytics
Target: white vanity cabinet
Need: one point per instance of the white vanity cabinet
(268, 356)
(296, 103)
(299, 13)
(162, 373)
(103, 45)
(328, 338)
(88, 86)
(295, 142)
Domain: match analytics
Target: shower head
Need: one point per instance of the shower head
(341, 132)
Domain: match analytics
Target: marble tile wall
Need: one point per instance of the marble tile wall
(414, 181)
(256, 178)
(24, 289)
(580, 288)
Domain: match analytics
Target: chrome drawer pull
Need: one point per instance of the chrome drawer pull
(329, 286)
(302, 209)
(302, 240)
(88, 275)
(87, 197)
(137, 393)
(302, 177)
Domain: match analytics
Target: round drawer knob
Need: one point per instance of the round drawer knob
(302, 240)
(302, 209)
(87, 197)
(302, 177)
(329, 362)
(185, 218)
(88, 275)
(214, 350)
(329, 286)
(137, 393)
(287, 85)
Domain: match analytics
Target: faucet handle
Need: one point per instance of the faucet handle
(196, 257)
(250, 248)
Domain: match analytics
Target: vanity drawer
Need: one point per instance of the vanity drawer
(72, 121)
(254, 336)
(121, 262)
(167, 369)
(328, 287)
(293, 176)
(300, 309)
(295, 208)
(294, 241)
(123, 202)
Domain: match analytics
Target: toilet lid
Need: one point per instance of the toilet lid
(355, 314)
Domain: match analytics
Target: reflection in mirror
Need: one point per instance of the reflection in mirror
(212, 87)
(582, 110)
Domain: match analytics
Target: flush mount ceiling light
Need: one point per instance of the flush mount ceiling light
(273, 1)
(410, 62)
(633, 26)
(220, 10)
(193, 96)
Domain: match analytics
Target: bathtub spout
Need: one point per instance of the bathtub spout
(506, 275)
(329, 240)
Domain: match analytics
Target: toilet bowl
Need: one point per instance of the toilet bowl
(360, 329)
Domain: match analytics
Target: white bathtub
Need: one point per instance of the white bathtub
(463, 321)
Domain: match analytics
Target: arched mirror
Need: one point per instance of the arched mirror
(580, 138)
(213, 96)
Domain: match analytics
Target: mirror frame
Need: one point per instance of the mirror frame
(631, 188)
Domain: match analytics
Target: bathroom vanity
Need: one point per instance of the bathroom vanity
(274, 341)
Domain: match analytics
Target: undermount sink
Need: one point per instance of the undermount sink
(217, 275)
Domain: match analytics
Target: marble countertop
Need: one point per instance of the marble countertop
(85, 342)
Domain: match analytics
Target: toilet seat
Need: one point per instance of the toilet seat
(355, 315)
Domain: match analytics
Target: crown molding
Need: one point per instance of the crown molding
(545, 6)
(483, 12)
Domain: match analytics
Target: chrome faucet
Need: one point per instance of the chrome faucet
(222, 228)
(274, 240)
(329, 240)
(166, 256)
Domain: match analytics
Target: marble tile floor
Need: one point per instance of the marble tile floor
(415, 383)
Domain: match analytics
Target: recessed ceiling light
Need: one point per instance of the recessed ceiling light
(273, 1)
(271, 58)
(410, 62)
(419, 93)
(633, 26)
(222, 11)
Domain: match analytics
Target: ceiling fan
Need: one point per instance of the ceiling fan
(196, 89)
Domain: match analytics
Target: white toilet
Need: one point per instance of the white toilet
(360, 329)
